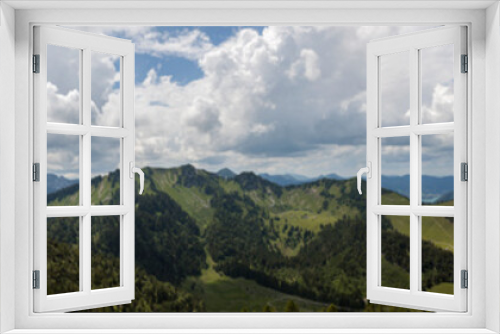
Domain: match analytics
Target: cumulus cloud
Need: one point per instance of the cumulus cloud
(203, 115)
(307, 66)
(62, 108)
(437, 84)
(63, 155)
(292, 99)
(63, 68)
(191, 44)
(188, 43)
(105, 81)
(262, 96)
(440, 107)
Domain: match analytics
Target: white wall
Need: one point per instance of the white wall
(477, 128)
(492, 164)
(7, 160)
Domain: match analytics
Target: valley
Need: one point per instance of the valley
(230, 243)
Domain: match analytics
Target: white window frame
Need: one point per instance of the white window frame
(414, 297)
(85, 43)
(484, 50)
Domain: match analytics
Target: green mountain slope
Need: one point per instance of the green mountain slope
(199, 234)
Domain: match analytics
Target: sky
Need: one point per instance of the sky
(278, 99)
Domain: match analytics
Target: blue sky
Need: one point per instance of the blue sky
(269, 99)
(182, 69)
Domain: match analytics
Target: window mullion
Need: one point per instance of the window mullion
(414, 171)
(85, 180)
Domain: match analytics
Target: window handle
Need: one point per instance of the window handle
(368, 171)
(137, 170)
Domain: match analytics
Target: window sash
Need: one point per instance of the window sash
(414, 298)
(86, 297)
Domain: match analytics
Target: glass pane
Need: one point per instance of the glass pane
(437, 170)
(105, 171)
(63, 170)
(395, 170)
(395, 89)
(437, 84)
(63, 259)
(105, 89)
(396, 251)
(437, 254)
(63, 84)
(105, 252)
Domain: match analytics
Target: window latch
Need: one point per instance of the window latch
(368, 171)
(132, 170)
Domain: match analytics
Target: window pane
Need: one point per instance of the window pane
(63, 273)
(437, 170)
(437, 254)
(396, 251)
(105, 90)
(105, 252)
(437, 84)
(63, 84)
(105, 171)
(63, 170)
(395, 170)
(395, 89)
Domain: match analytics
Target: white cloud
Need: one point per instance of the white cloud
(63, 155)
(63, 67)
(62, 108)
(252, 104)
(189, 43)
(105, 74)
(307, 66)
(271, 100)
(291, 99)
(203, 116)
(440, 108)
(437, 84)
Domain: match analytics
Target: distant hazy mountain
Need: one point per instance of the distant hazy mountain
(331, 176)
(295, 179)
(299, 177)
(434, 188)
(446, 197)
(54, 183)
(282, 180)
(226, 173)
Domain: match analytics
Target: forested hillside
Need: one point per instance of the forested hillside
(205, 242)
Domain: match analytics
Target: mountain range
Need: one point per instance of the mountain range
(55, 182)
(207, 243)
(294, 179)
(283, 179)
(434, 189)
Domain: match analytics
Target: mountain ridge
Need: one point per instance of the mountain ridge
(435, 189)
(211, 239)
(56, 182)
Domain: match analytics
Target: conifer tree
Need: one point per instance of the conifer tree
(291, 307)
